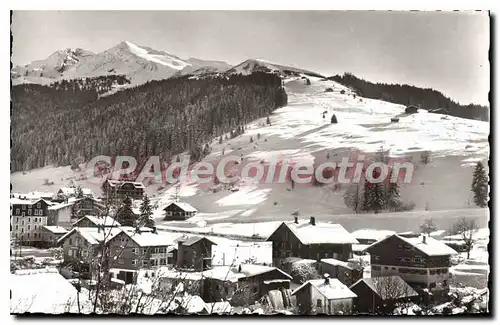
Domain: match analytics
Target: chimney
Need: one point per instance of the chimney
(296, 219)
(313, 221)
(423, 239)
(326, 276)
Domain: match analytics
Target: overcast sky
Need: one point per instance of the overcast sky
(447, 51)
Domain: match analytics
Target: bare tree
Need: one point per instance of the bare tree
(303, 272)
(465, 227)
(394, 292)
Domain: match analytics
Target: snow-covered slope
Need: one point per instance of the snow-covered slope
(52, 67)
(253, 65)
(301, 133)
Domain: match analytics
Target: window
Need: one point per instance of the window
(17, 227)
(38, 205)
(23, 207)
(134, 262)
(144, 263)
(23, 214)
(376, 268)
(163, 261)
(36, 212)
(144, 250)
(22, 223)
(40, 212)
(134, 250)
(326, 255)
(28, 227)
(28, 235)
(386, 267)
(319, 303)
(29, 212)
(29, 220)
(70, 252)
(18, 211)
(393, 268)
(216, 287)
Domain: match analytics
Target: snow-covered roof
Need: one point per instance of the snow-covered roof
(192, 304)
(389, 287)
(93, 235)
(72, 191)
(321, 233)
(184, 206)
(431, 247)
(60, 206)
(100, 221)
(359, 247)
(233, 273)
(33, 195)
(335, 262)
(146, 239)
(372, 234)
(332, 290)
(165, 272)
(114, 183)
(56, 229)
(21, 201)
(42, 291)
(193, 240)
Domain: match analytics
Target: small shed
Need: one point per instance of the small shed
(334, 119)
(179, 211)
(394, 119)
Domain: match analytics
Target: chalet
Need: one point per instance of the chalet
(51, 234)
(243, 284)
(421, 261)
(64, 193)
(311, 240)
(122, 189)
(133, 250)
(27, 219)
(194, 253)
(86, 206)
(179, 211)
(379, 295)
(324, 296)
(95, 221)
(82, 246)
(60, 214)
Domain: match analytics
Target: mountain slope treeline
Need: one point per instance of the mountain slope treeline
(54, 125)
(428, 99)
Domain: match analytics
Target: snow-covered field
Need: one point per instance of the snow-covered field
(299, 132)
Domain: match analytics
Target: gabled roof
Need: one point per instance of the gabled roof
(320, 233)
(72, 191)
(332, 290)
(335, 262)
(431, 247)
(93, 235)
(56, 229)
(114, 183)
(60, 206)
(148, 239)
(43, 291)
(372, 234)
(388, 287)
(234, 273)
(194, 239)
(27, 201)
(100, 221)
(184, 206)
